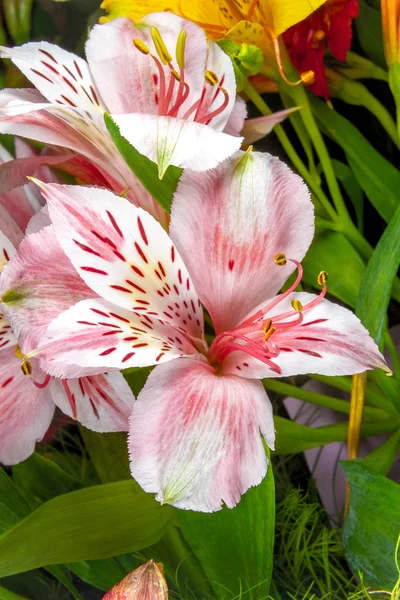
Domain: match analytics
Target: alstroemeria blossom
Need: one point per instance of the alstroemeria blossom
(237, 233)
(28, 396)
(171, 91)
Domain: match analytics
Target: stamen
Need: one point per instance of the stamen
(297, 305)
(26, 366)
(211, 78)
(141, 46)
(268, 330)
(322, 278)
(308, 77)
(280, 259)
(161, 48)
(180, 49)
(71, 397)
(44, 384)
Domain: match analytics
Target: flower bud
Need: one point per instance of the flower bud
(147, 581)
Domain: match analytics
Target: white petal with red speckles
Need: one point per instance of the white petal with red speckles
(7, 337)
(330, 341)
(7, 249)
(101, 402)
(195, 437)
(229, 224)
(25, 411)
(59, 75)
(98, 334)
(37, 285)
(171, 141)
(124, 255)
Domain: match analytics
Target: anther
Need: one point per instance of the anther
(322, 278)
(268, 330)
(297, 305)
(308, 77)
(211, 78)
(175, 75)
(280, 259)
(318, 35)
(141, 46)
(160, 46)
(26, 366)
(180, 49)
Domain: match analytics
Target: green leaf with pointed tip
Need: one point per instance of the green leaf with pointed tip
(235, 546)
(145, 170)
(93, 523)
(374, 295)
(379, 179)
(381, 459)
(372, 527)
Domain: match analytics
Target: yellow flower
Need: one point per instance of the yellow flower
(254, 22)
(390, 24)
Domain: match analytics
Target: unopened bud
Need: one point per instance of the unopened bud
(147, 581)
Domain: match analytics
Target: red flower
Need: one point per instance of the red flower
(306, 41)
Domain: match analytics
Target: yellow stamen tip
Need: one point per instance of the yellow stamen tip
(297, 305)
(141, 46)
(26, 368)
(319, 35)
(211, 77)
(322, 278)
(280, 259)
(175, 75)
(161, 48)
(308, 77)
(268, 330)
(180, 49)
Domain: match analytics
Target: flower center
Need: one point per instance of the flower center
(255, 335)
(173, 90)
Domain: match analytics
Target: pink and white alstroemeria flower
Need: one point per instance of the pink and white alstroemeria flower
(28, 396)
(237, 233)
(172, 108)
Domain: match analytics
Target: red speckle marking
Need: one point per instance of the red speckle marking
(176, 290)
(119, 255)
(48, 55)
(121, 289)
(137, 271)
(94, 95)
(78, 69)
(139, 345)
(314, 322)
(68, 100)
(114, 223)
(231, 264)
(119, 317)
(310, 339)
(81, 386)
(172, 253)
(142, 231)
(128, 356)
(160, 293)
(49, 67)
(86, 248)
(87, 323)
(93, 270)
(70, 72)
(71, 85)
(130, 338)
(310, 352)
(99, 312)
(110, 332)
(160, 356)
(108, 351)
(41, 75)
(161, 268)
(141, 253)
(7, 381)
(142, 301)
(137, 287)
(180, 276)
(6, 254)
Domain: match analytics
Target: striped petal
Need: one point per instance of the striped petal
(195, 437)
(124, 255)
(98, 335)
(99, 402)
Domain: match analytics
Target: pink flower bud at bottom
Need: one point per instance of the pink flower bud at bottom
(146, 582)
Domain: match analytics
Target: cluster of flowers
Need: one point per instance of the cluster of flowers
(93, 284)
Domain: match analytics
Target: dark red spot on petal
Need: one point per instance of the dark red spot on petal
(141, 253)
(142, 231)
(93, 270)
(128, 356)
(114, 223)
(121, 289)
(137, 270)
(41, 75)
(108, 351)
(231, 264)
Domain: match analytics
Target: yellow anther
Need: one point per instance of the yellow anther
(318, 35)
(280, 259)
(25, 364)
(322, 278)
(297, 305)
(180, 49)
(175, 74)
(211, 77)
(268, 330)
(161, 48)
(308, 77)
(141, 46)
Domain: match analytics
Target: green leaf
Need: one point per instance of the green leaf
(352, 187)
(102, 574)
(379, 179)
(7, 595)
(292, 437)
(332, 252)
(145, 170)
(108, 453)
(235, 546)
(93, 523)
(369, 29)
(372, 526)
(374, 295)
(13, 506)
(381, 459)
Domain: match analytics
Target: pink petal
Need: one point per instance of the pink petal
(102, 402)
(13, 174)
(25, 411)
(41, 283)
(124, 255)
(7, 337)
(96, 336)
(40, 220)
(229, 224)
(171, 141)
(16, 203)
(256, 129)
(145, 583)
(330, 341)
(234, 125)
(60, 76)
(195, 437)
(7, 248)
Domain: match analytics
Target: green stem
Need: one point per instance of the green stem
(7, 595)
(290, 151)
(393, 352)
(321, 399)
(373, 398)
